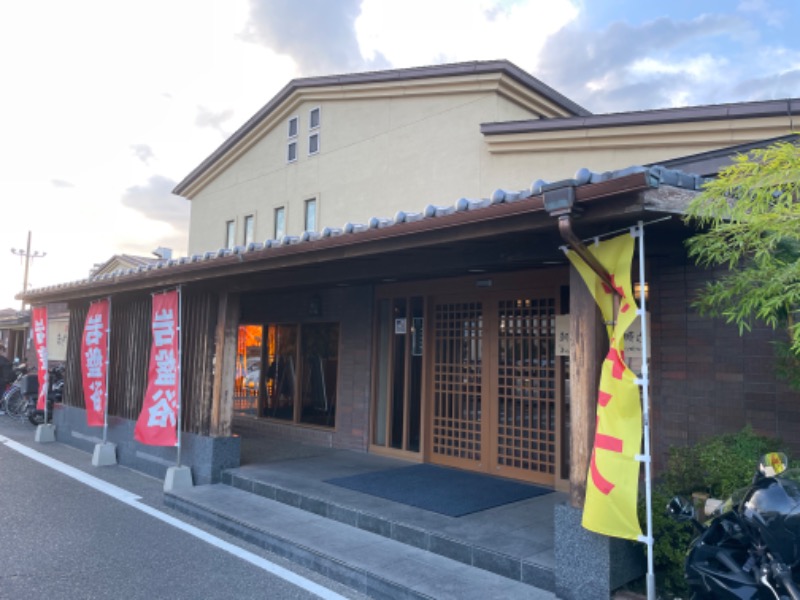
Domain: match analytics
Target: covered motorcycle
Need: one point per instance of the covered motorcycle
(750, 548)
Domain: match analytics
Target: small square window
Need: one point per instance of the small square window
(291, 152)
(313, 118)
(293, 127)
(313, 143)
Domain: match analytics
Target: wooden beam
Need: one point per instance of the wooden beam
(225, 338)
(588, 346)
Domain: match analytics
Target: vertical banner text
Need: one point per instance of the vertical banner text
(94, 362)
(157, 423)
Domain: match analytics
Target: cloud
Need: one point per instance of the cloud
(421, 32)
(776, 85)
(60, 183)
(214, 120)
(143, 152)
(630, 67)
(157, 203)
(318, 34)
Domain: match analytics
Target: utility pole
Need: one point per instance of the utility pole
(28, 256)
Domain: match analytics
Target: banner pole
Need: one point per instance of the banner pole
(108, 367)
(651, 580)
(180, 361)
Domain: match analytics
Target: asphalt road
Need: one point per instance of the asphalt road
(61, 538)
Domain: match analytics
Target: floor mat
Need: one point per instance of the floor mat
(438, 489)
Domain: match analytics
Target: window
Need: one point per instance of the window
(230, 232)
(249, 229)
(291, 148)
(288, 372)
(311, 215)
(313, 127)
(280, 222)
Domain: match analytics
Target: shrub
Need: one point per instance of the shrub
(718, 465)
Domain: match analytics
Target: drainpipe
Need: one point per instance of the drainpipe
(559, 201)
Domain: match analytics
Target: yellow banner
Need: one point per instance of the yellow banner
(613, 479)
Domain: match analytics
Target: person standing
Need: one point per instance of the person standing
(6, 370)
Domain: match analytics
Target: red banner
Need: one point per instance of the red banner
(94, 362)
(157, 422)
(40, 344)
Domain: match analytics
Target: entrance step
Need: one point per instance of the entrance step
(364, 561)
(411, 527)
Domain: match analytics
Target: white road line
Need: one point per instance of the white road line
(132, 500)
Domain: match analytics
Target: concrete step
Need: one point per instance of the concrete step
(371, 564)
(391, 525)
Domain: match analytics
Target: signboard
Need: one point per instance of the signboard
(57, 338)
(562, 335)
(400, 326)
(633, 338)
(416, 336)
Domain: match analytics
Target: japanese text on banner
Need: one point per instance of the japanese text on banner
(94, 362)
(157, 423)
(40, 344)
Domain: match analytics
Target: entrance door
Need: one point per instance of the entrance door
(525, 424)
(457, 416)
(494, 385)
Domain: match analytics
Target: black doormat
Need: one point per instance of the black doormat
(438, 489)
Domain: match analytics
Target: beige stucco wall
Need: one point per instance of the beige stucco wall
(384, 149)
(519, 159)
(377, 156)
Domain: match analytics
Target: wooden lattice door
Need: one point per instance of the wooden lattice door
(495, 385)
(525, 429)
(457, 413)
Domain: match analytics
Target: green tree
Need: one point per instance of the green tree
(750, 217)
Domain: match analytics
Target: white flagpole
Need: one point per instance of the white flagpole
(645, 383)
(180, 350)
(108, 367)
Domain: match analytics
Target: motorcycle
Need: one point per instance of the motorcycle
(750, 548)
(54, 395)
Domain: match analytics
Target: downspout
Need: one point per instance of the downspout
(559, 201)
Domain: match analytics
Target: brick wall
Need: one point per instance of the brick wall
(706, 378)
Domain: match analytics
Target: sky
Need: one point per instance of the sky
(105, 106)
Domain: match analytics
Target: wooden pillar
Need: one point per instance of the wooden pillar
(588, 347)
(225, 338)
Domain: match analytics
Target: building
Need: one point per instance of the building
(373, 267)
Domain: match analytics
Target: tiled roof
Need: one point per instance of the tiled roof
(654, 177)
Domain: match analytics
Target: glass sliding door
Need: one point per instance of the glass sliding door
(398, 373)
